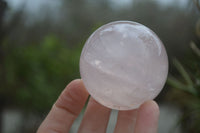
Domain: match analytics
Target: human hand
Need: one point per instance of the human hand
(95, 120)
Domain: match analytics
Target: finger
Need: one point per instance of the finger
(95, 119)
(126, 121)
(147, 118)
(66, 109)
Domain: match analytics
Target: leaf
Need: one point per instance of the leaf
(195, 48)
(179, 85)
(183, 72)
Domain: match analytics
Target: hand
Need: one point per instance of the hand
(95, 120)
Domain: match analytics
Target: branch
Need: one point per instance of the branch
(197, 4)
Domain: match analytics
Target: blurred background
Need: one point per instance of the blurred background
(41, 42)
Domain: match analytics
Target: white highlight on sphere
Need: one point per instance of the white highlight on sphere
(123, 64)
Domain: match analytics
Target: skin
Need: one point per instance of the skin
(95, 120)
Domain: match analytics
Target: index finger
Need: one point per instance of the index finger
(66, 109)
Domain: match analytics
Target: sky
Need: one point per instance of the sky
(34, 8)
(181, 3)
(35, 5)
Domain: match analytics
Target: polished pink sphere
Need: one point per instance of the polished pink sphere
(123, 64)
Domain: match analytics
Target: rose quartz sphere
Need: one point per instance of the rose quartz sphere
(123, 64)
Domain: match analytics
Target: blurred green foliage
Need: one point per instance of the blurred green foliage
(35, 74)
(185, 92)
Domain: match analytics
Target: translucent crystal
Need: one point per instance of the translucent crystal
(123, 64)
